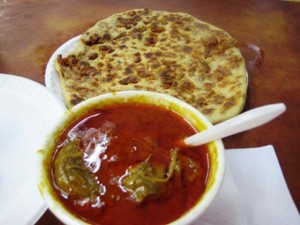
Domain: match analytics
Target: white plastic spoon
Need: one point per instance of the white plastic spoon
(245, 121)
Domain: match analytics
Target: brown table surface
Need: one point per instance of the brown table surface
(31, 30)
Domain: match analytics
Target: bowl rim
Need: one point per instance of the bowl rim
(67, 217)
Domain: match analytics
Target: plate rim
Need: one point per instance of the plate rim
(52, 79)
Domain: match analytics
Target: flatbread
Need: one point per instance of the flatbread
(172, 53)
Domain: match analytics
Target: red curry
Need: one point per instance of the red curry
(120, 165)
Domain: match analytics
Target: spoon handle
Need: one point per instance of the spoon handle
(245, 121)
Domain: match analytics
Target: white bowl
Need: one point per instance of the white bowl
(198, 120)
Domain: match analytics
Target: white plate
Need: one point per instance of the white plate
(52, 81)
(27, 112)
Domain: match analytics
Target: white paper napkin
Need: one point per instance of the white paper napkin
(254, 192)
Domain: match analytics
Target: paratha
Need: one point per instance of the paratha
(168, 52)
